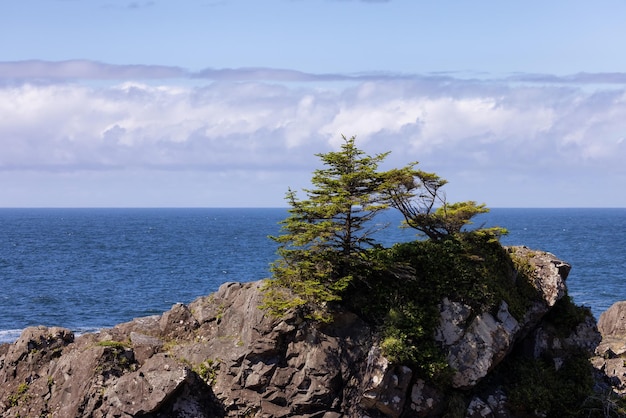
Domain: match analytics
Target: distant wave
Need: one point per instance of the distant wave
(11, 335)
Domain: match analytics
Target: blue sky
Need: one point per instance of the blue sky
(209, 103)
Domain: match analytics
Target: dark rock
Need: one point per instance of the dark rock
(224, 356)
(426, 401)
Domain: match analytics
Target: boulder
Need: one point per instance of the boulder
(474, 349)
(476, 342)
(612, 326)
(426, 400)
(386, 385)
(610, 356)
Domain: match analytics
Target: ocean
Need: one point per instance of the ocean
(87, 269)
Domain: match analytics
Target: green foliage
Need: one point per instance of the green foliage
(604, 405)
(566, 315)
(547, 387)
(114, 344)
(347, 195)
(326, 246)
(406, 341)
(328, 256)
(327, 233)
(526, 272)
(456, 406)
(207, 370)
(278, 298)
(403, 294)
(418, 196)
(22, 388)
(19, 396)
(537, 388)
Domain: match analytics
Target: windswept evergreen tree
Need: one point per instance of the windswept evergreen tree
(326, 234)
(418, 196)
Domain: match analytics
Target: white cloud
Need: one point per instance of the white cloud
(238, 124)
(84, 69)
(462, 129)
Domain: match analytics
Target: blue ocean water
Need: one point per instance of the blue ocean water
(91, 268)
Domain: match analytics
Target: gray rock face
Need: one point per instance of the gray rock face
(223, 356)
(476, 342)
(610, 359)
(385, 385)
(475, 349)
(219, 356)
(612, 326)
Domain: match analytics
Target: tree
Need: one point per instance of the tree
(418, 196)
(326, 234)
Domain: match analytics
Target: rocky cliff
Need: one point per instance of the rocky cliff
(610, 358)
(222, 355)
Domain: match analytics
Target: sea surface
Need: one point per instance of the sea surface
(87, 269)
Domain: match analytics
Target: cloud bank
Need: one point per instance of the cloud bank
(262, 120)
(25, 71)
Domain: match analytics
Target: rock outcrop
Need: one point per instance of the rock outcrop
(223, 356)
(478, 341)
(610, 359)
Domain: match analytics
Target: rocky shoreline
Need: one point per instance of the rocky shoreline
(222, 356)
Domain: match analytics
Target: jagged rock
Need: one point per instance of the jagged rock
(585, 336)
(612, 322)
(476, 342)
(144, 346)
(545, 342)
(493, 407)
(612, 326)
(452, 322)
(478, 409)
(549, 278)
(550, 274)
(486, 342)
(426, 401)
(386, 385)
(177, 323)
(223, 356)
(475, 349)
(611, 352)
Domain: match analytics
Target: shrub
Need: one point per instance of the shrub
(402, 295)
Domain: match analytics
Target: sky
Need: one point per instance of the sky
(224, 103)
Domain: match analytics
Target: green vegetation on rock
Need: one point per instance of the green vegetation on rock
(19, 396)
(403, 297)
(327, 244)
(536, 387)
(328, 258)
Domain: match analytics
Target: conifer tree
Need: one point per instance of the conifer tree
(418, 196)
(326, 234)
